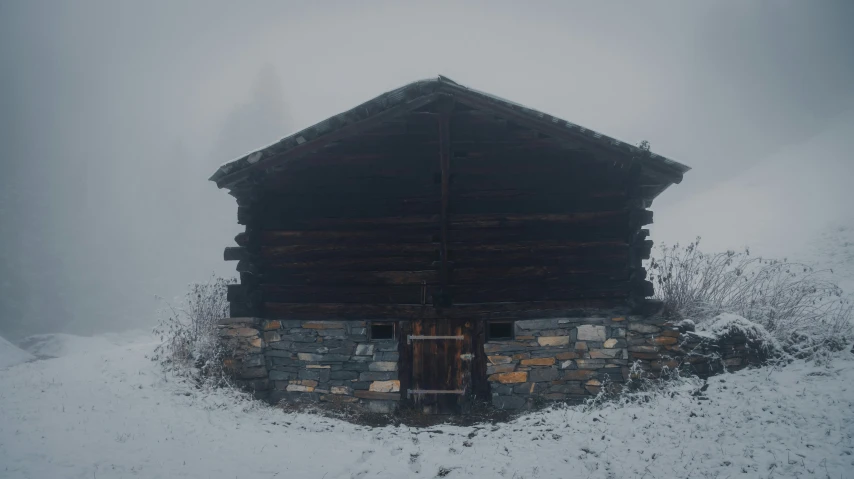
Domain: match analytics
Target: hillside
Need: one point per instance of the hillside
(796, 203)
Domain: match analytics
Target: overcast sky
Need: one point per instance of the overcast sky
(113, 113)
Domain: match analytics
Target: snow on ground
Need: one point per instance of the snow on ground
(108, 412)
(11, 355)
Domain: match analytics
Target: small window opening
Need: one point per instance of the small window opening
(498, 331)
(382, 330)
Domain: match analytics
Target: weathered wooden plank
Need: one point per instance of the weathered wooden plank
(387, 294)
(503, 310)
(334, 277)
(235, 253)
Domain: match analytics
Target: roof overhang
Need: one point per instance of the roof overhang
(420, 93)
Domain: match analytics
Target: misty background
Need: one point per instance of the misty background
(113, 114)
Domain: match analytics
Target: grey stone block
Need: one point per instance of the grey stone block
(536, 375)
(343, 375)
(377, 375)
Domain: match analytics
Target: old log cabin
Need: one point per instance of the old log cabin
(437, 245)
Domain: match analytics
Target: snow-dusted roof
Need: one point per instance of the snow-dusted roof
(418, 93)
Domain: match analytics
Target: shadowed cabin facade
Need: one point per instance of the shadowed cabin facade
(436, 246)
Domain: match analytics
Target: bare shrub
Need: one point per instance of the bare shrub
(188, 331)
(801, 307)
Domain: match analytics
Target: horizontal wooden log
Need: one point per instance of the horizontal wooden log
(503, 310)
(301, 237)
(235, 253)
(480, 294)
(272, 268)
(384, 294)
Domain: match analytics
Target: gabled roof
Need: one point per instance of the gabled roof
(419, 93)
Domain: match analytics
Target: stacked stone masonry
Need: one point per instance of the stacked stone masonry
(557, 359)
(313, 361)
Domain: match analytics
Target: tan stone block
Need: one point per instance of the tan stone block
(518, 356)
(270, 325)
(590, 332)
(385, 386)
(499, 359)
(605, 353)
(500, 368)
(318, 366)
(510, 378)
(257, 343)
(610, 343)
(580, 346)
(524, 338)
(567, 355)
(593, 382)
(344, 390)
(324, 325)
(242, 332)
(553, 340)
(299, 388)
(538, 362)
(272, 337)
(665, 340)
(618, 319)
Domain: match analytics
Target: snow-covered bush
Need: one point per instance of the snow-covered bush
(800, 307)
(188, 331)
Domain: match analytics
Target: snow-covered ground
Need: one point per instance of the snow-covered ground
(11, 355)
(106, 411)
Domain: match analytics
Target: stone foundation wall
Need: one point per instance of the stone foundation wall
(560, 359)
(315, 362)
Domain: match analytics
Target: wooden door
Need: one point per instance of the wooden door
(441, 352)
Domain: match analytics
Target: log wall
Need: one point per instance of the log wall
(482, 216)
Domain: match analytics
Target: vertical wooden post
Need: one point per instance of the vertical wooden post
(445, 106)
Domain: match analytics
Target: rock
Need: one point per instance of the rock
(508, 402)
(618, 332)
(665, 340)
(323, 325)
(341, 390)
(280, 375)
(538, 362)
(590, 363)
(618, 319)
(605, 353)
(537, 324)
(500, 368)
(543, 374)
(567, 364)
(588, 332)
(553, 340)
(578, 374)
(643, 349)
(567, 355)
(315, 374)
(643, 328)
(581, 346)
(377, 376)
(593, 382)
(377, 395)
(392, 386)
(272, 337)
(364, 350)
(610, 343)
(309, 357)
(499, 359)
(382, 366)
(242, 332)
(343, 375)
(270, 325)
(318, 366)
(510, 378)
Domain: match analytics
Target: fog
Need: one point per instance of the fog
(113, 114)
